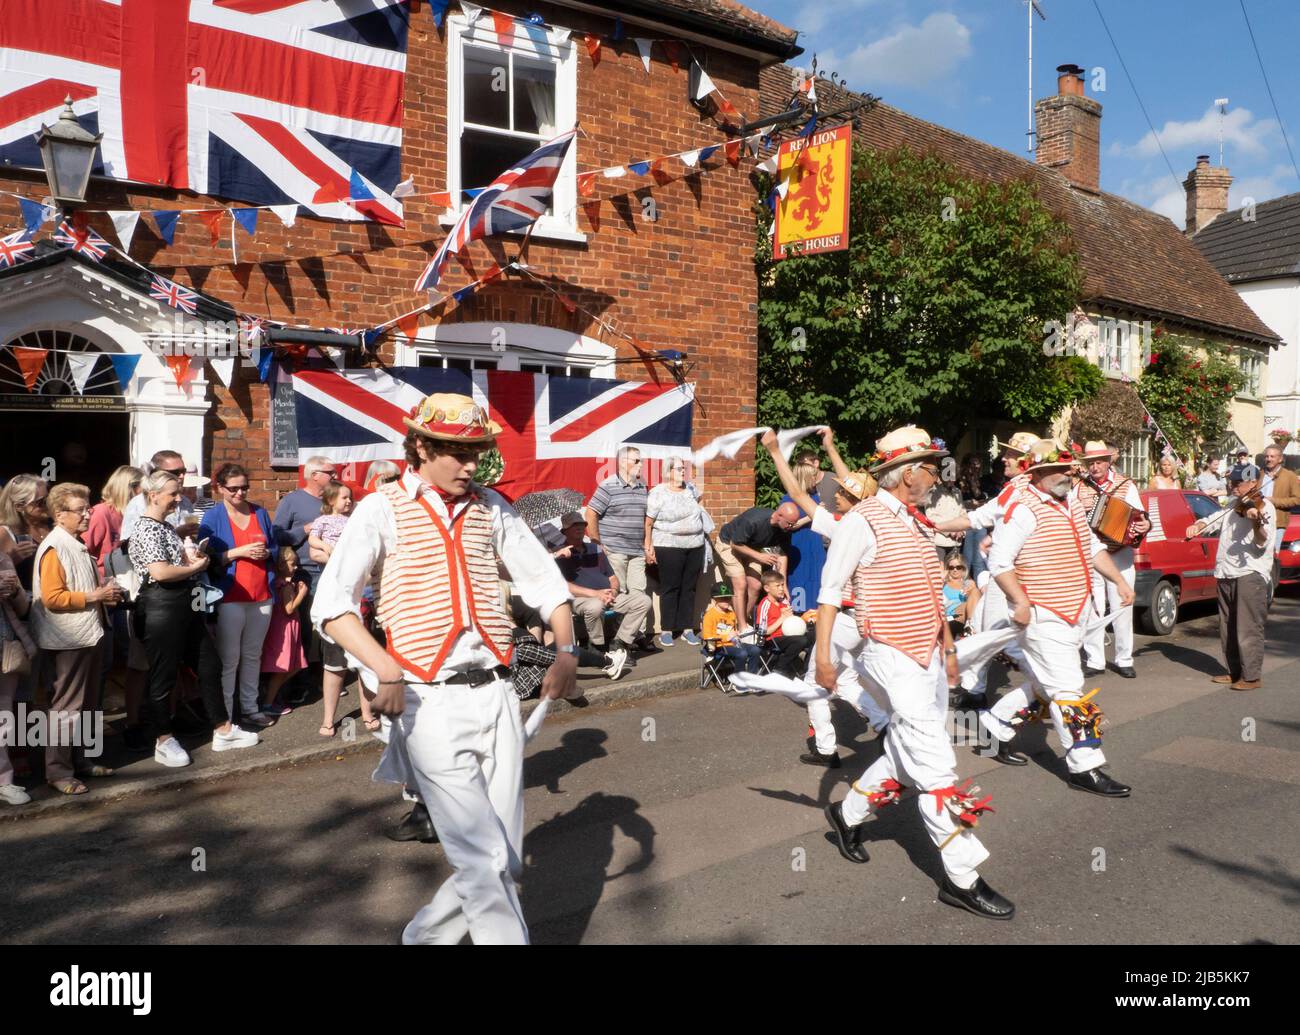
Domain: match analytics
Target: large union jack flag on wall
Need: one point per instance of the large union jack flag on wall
(557, 432)
(265, 101)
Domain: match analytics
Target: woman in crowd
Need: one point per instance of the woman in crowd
(18, 651)
(243, 540)
(960, 594)
(674, 541)
(101, 539)
(1166, 476)
(336, 505)
(69, 620)
(381, 472)
(172, 628)
(807, 548)
(24, 522)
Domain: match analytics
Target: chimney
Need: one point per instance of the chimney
(1207, 193)
(1069, 131)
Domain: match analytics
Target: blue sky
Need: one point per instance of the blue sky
(962, 64)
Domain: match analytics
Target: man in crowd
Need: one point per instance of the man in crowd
(616, 520)
(1282, 487)
(297, 511)
(1103, 478)
(743, 543)
(1243, 571)
(595, 587)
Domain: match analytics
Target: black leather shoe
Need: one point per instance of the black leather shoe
(979, 899)
(415, 826)
(815, 757)
(969, 702)
(1097, 782)
(1005, 755)
(849, 838)
(1089, 671)
(1126, 671)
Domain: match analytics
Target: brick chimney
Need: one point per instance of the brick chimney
(1069, 131)
(1207, 193)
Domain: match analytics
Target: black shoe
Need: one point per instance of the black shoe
(848, 838)
(1098, 782)
(137, 738)
(415, 826)
(1005, 755)
(647, 645)
(815, 757)
(1126, 671)
(1089, 671)
(979, 899)
(969, 702)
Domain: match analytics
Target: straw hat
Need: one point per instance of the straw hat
(1020, 442)
(857, 484)
(1097, 450)
(1046, 455)
(905, 445)
(446, 417)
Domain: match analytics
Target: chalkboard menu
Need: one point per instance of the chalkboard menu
(284, 425)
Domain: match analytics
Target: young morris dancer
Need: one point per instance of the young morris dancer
(456, 735)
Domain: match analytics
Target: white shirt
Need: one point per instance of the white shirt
(824, 523)
(1012, 533)
(183, 511)
(853, 543)
(372, 532)
(1240, 552)
(1131, 495)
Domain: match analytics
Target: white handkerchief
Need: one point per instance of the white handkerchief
(727, 445)
(786, 439)
(536, 719)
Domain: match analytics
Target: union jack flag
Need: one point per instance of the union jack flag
(16, 248)
(556, 431)
(515, 199)
(173, 294)
(82, 239)
(266, 101)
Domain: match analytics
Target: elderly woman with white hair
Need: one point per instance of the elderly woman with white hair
(674, 541)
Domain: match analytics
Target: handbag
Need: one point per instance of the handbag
(15, 660)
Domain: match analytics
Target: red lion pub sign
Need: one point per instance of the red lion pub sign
(813, 216)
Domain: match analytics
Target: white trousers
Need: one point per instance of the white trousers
(241, 629)
(991, 612)
(918, 753)
(462, 749)
(845, 642)
(1105, 598)
(1052, 649)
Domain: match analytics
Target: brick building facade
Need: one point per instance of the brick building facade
(683, 280)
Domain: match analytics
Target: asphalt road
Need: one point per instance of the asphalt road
(689, 819)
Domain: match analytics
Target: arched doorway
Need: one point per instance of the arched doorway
(72, 424)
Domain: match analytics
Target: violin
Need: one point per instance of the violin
(1254, 498)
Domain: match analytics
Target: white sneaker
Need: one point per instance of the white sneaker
(236, 738)
(617, 662)
(170, 753)
(12, 794)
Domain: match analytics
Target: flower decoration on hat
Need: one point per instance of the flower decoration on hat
(1045, 453)
(452, 418)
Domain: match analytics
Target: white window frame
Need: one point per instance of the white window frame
(1134, 460)
(562, 223)
(1251, 364)
(519, 343)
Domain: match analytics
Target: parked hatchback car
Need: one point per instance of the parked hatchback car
(1172, 570)
(1288, 557)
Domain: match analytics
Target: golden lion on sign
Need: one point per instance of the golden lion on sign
(811, 196)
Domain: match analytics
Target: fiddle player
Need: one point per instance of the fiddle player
(1243, 571)
(1100, 477)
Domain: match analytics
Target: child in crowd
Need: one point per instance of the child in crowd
(719, 626)
(773, 611)
(282, 650)
(336, 506)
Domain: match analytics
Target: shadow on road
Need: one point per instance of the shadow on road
(1271, 876)
(576, 748)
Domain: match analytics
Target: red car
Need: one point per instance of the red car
(1288, 557)
(1170, 569)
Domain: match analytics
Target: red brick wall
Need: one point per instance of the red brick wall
(684, 282)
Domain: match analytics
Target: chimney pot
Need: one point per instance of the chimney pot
(1069, 131)
(1069, 80)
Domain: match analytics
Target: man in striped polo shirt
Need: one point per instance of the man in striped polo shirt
(616, 520)
(1043, 557)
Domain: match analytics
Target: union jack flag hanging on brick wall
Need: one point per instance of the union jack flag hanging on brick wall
(515, 199)
(16, 248)
(172, 294)
(265, 101)
(82, 239)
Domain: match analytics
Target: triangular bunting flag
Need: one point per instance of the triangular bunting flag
(644, 46)
(490, 275)
(211, 218)
(180, 366)
(657, 171)
(672, 50)
(224, 368)
(690, 159)
(247, 218)
(647, 358)
(286, 214)
(124, 364)
(35, 215)
(726, 107)
(404, 189)
(409, 326)
(439, 10)
(640, 168)
(166, 224)
(618, 29)
(81, 364)
(708, 152)
(732, 149)
(442, 197)
(559, 37)
(593, 48)
(587, 184)
(471, 12)
(504, 25)
(705, 85)
(567, 302)
(327, 194)
(592, 208)
(30, 362)
(614, 172)
(124, 224)
(464, 292)
(768, 165)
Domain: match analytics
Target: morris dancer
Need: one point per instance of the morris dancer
(887, 551)
(456, 736)
(854, 486)
(1042, 557)
(993, 602)
(1102, 477)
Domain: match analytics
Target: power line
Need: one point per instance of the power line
(1133, 86)
(1276, 113)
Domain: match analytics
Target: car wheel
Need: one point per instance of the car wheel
(1159, 619)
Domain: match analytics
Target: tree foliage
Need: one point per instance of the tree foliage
(1114, 415)
(934, 314)
(1188, 387)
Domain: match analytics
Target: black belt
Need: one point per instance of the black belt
(478, 676)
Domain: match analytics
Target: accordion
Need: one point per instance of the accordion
(1112, 520)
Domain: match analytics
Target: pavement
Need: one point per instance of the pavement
(686, 818)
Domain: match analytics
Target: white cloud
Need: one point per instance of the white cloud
(913, 56)
(1242, 134)
(1281, 180)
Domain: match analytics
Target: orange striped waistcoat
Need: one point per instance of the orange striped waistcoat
(440, 581)
(1053, 565)
(896, 598)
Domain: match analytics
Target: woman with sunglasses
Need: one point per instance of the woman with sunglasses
(960, 595)
(24, 522)
(244, 541)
